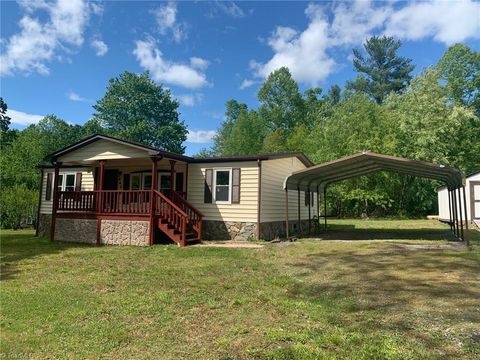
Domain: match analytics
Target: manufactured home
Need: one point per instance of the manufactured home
(104, 190)
(468, 208)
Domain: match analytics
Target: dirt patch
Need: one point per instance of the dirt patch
(229, 244)
(448, 246)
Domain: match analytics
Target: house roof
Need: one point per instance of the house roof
(299, 155)
(152, 151)
(91, 139)
(366, 162)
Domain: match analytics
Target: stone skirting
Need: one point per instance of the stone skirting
(76, 230)
(276, 229)
(124, 232)
(43, 225)
(228, 230)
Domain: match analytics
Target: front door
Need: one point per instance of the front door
(475, 199)
(110, 181)
(164, 184)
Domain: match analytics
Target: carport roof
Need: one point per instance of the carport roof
(368, 162)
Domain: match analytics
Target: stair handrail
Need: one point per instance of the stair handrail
(186, 203)
(171, 203)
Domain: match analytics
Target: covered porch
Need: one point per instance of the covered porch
(113, 179)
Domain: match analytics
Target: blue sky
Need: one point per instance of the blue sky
(57, 56)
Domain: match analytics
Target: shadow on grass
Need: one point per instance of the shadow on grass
(394, 288)
(21, 245)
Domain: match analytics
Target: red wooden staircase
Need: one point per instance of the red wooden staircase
(177, 218)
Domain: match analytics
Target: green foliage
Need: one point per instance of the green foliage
(432, 117)
(18, 206)
(382, 70)
(4, 119)
(460, 69)
(136, 109)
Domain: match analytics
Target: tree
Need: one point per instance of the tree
(381, 69)
(232, 112)
(135, 108)
(18, 205)
(4, 119)
(459, 67)
(282, 105)
(247, 135)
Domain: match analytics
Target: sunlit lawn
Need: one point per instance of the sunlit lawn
(304, 300)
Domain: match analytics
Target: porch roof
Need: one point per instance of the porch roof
(366, 162)
(149, 150)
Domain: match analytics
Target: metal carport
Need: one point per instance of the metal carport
(318, 177)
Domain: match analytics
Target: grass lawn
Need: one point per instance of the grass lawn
(305, 300)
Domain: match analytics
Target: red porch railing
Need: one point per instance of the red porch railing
(77, 201)
(105, 201)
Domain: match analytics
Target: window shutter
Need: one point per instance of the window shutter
(207, 196)
(78, 181)
(236, 186)
(307, 198)
(48, 189)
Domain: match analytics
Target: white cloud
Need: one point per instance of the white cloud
(190, 99)
(199, 63)
(75, 97)
(97, 8)
(39, 42)
(307, 53)
(99, 46)
(304, 53)
(230, 8)
(22, 118)
(166, 17)
(200, 136)
(151, 59)
(246, 84)
(444, 21)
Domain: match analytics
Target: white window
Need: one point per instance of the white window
(222, 183)
(66, 182)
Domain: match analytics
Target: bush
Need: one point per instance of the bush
(18, 206)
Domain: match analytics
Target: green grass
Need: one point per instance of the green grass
(305, 300)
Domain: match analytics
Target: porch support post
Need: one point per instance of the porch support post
(172, 176)
(325, 206)
(101, 177)
(299, 217)
(55, 201)
(152, 199)
(460, 213)
(466, 239)
(286, 212)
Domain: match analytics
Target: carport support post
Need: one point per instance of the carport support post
(449, 208)
(460, 212)
(299, 220)
(466, 239)
(286, 212)
(318, 208)
(325, 206)
(309, 214)
(455, 212)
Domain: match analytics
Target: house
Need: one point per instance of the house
(104, 190)
(471, 205)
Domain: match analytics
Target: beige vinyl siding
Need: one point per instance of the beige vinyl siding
(102, 149)
(245, 211)
(87, 185)
(273, 204)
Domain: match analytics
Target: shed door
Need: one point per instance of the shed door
(475, 199)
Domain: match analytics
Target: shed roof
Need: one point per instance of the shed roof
(368, 162)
